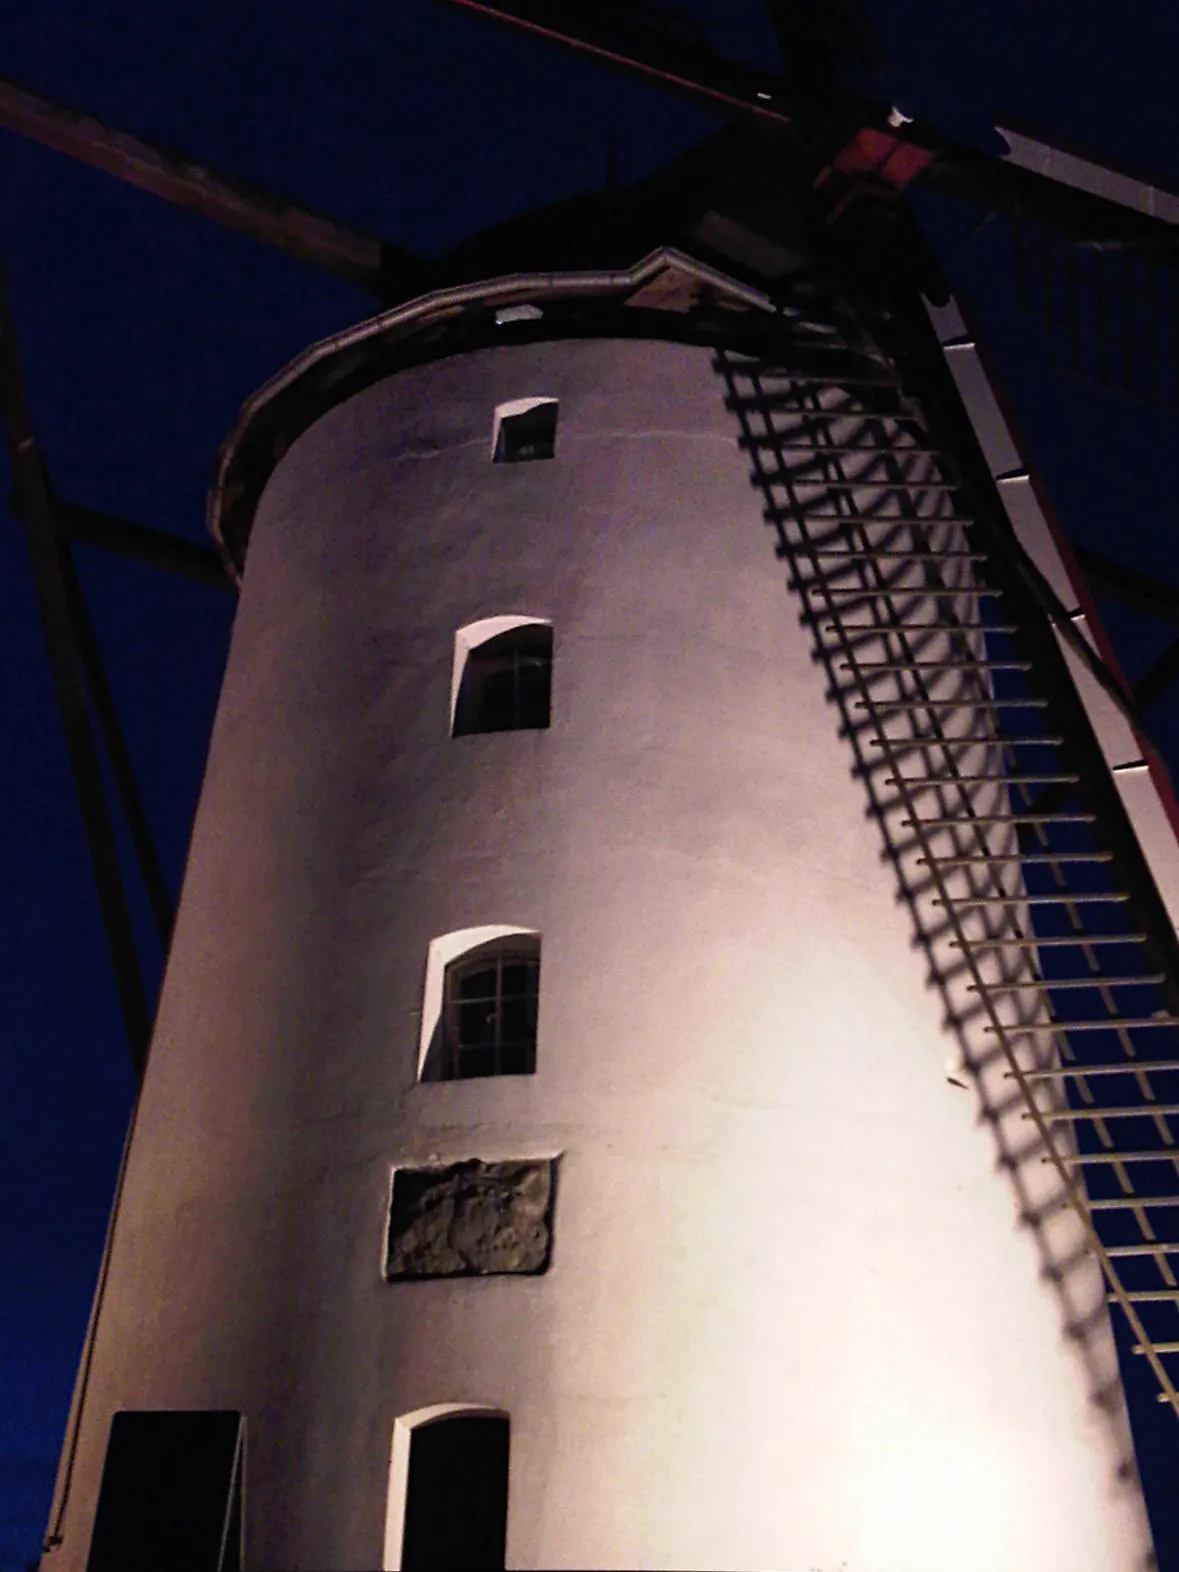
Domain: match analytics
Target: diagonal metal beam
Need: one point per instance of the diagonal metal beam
(1128, 586)
(116, 746)
(641, 42)
(389, 271)
(648, 42)
(154, 546)
(34, 506)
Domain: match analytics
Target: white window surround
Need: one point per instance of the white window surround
(445, 948)
(403, 1428)
(514, 406)
(477, 633)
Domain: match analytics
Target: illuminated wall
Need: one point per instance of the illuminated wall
(791, 1318)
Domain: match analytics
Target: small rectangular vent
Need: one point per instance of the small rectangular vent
(525, 430)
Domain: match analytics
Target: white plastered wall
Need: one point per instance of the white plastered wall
(793, 1317)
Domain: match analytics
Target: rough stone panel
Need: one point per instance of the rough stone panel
(470, 1219)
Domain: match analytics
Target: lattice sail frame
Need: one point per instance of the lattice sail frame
(1043, 979)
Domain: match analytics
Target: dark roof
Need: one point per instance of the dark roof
(714, 248)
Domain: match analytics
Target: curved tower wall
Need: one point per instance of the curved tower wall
(791, 1317)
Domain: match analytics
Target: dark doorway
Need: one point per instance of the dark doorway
(456, 1502)
(171, 1494)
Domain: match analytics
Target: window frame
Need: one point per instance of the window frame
(498, 954)
(468, 684)
(518, 410)
(444, 949)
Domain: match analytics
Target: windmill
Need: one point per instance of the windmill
(916, 583)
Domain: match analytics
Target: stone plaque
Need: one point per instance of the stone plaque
(470, 1219)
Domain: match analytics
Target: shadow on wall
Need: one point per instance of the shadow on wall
(891, 584)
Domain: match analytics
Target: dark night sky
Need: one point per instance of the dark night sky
(143, 329)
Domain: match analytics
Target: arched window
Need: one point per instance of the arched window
(448, 1491)
(489, 1010)
(503, 680)
(525, 429)
(481, 1004)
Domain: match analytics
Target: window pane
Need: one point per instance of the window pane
(475, 1063)
(517, 1059)
(534, 704)
(490, 666)
(497, 708)
(517, 978)
(476, 1024)
(478, 984)
(515, 1020)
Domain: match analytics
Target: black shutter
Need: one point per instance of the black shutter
(171, 1494)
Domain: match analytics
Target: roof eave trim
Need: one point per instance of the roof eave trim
(442, 302)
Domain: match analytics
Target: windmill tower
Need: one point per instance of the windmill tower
(651, 1071)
